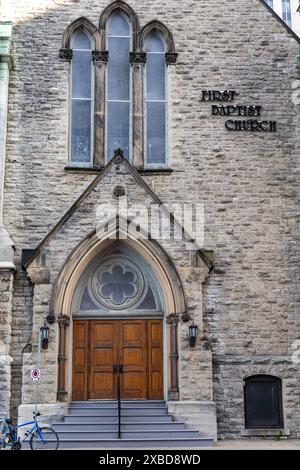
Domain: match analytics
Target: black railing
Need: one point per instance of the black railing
(118, 369)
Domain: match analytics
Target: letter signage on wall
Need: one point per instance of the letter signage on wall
(254, 123)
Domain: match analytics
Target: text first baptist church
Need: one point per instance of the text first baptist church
(191, 103)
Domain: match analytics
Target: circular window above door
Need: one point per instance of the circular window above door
(117, 283)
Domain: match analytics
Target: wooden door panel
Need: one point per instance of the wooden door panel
(80, 359)
(133, 357)
(155, 358)
(136, 344)
(103, 354)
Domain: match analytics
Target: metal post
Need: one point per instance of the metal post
(119, 405)
(118, 369)
(38, 367)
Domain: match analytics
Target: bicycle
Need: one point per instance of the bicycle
(41, 438)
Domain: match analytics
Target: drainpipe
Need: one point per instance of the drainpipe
(6, 63)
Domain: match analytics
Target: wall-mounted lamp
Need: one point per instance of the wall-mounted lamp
(44, 330)
(193, 333)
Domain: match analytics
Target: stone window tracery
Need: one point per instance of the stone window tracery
(118, 88)
(119, 283)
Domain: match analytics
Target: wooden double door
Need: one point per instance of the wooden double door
(99, 345)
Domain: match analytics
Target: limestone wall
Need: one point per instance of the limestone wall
(248, 182)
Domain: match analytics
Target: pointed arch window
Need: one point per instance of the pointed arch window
(81, 100)
(156, 101)
(118, 90)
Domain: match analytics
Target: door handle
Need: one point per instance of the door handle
(118, 368)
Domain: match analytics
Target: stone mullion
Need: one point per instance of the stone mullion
(100, 59)
(137, 61)
(63, 323)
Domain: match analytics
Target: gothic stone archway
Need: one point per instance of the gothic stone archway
(75, 294)
(118, 321)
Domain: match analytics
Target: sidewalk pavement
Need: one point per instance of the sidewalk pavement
(257, 444)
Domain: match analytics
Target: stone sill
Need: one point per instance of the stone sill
(265, 433)
(155, 171)
(94, 170)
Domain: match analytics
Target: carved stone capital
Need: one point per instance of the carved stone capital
(100, 56)
(66, 54)
(138, 57)
(173, 319)
(63, 321)
(171, 58)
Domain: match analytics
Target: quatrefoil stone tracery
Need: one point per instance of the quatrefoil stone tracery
(117, 284)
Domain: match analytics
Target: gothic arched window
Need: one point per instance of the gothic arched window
(263, 402)
(156, 101)
(81, 100)
(118, 88)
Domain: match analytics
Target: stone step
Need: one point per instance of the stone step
(108, 426)
(98, 419)
(94, 425)
(153, 443)
(145, 435)
(114, 403)
(113, 411)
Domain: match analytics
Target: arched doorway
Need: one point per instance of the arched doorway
(118, 312)
(163, 303)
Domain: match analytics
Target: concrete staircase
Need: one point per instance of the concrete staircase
(144, 424)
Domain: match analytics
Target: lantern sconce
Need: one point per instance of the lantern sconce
(44, 332)
(193, 333)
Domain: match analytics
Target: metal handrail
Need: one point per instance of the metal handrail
(118, 369)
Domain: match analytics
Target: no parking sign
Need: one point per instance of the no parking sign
(35, 374)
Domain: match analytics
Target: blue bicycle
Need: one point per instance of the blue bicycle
(40, 438)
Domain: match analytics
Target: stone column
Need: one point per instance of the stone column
(138, 60)
(63, 322)
(6, 63)
(173, 321)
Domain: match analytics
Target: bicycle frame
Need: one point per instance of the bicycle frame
(28, 433)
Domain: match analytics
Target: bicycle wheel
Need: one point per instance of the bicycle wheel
(44, 439)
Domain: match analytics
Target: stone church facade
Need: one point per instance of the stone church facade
(222, 132)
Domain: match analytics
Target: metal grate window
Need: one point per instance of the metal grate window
(263, 402)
